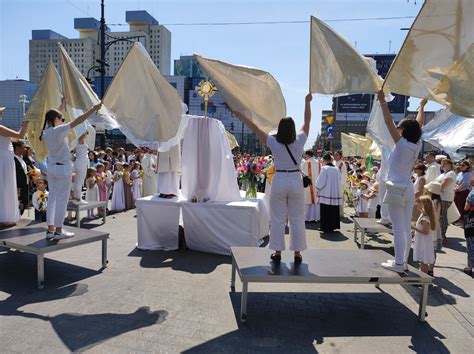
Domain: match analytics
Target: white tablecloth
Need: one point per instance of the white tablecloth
(158, 223)
(209, 227)
(216, 227)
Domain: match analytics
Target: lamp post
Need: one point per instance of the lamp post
(23, 99)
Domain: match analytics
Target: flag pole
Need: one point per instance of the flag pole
(310, 50)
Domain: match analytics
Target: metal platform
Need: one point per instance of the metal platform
(30, 237)
(324, 266)
(71, 206)
(368, 225)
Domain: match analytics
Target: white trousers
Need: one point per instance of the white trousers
(287, 203)
(80, 168)
(383, 207)
(168, 183)
(401, 226)
(59, 190)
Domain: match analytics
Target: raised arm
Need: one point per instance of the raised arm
(420, 117)
(10, 133)
(261, 135)
(86, 115)
(387, 116)
(307, 114)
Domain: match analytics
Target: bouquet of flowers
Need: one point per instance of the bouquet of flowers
(251, 172)
(34, 174)
(43, 200)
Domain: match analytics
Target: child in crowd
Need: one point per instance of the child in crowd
(92, 193)
(136, 177)
(425, 231)
(363, 204)
(469, 230)
(433, 190)
(40, 200)
(102, 183)
(118, 198)
(373, 199)
(127, 187)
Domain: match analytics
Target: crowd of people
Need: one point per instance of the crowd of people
(417, 197)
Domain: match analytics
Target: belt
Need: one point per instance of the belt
(288, 171)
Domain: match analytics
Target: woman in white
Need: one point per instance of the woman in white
(54, 135)
(9, 211)
(287, 197)
(137, 181)
(448, 181)
(118, 197)
(406, 137)
(81, 163)
(419, 186)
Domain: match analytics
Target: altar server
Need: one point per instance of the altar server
(329, 195)
(341, 166)
(9, 210)
(54, 135)
(312, 168)
(169, 166)
(149, 173)
(287, 197)
(81, 163)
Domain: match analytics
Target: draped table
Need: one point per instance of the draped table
(210, 227)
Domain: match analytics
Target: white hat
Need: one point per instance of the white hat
(433, 187)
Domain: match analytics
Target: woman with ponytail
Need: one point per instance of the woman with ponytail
(54, 135)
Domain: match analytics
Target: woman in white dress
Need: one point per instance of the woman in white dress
(81, 163)
(9, 212)
(118, 197)
(92, 193)
(425, 232)
(137, 181)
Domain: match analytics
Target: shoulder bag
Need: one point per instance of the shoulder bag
(306, 179)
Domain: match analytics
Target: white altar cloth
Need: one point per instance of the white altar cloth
(210, 227)
(158, 223)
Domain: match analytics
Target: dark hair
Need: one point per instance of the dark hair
(339, 152)
(421, 167)
(96, 159)
(411, 129)
(309, 153)
(49, 118)
(286, 131)
(435, 197)
(327, 157)
(431, 154)
(17, 144)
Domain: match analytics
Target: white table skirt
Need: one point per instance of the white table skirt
(218, 226)
(209, 227)
(158, 223)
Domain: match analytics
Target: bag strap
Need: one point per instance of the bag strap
(291, 155)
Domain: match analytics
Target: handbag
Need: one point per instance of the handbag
(306, 179)
(395, 194)
(453, 213)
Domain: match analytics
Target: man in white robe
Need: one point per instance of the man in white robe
(169, 166)
(149, 176)
(342, 167)
(312, 167)
(432, 168)
(328, 186)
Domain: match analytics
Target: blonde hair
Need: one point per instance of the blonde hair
(428, 210)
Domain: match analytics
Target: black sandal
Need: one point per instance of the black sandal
(298, 259)
(276, 257)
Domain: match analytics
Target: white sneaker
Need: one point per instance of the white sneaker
(63, 235)
(393, 267)
(405, 265)
(50, 235)
(383, 222)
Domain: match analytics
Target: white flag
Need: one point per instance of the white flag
(253, 92)
(336, 67)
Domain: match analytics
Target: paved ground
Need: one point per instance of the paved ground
(181, 302)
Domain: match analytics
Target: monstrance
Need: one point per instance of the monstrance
(206, 89)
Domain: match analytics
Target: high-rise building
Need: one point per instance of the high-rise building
(85, 50)
(190, 74)
(10, 92)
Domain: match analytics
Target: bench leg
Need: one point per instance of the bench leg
(243, 305)
(362, 239)
(104, 254)
(105, 214)
(40, 270)
(232, 280)
(78, 218)
(355, 232)
(423, 302)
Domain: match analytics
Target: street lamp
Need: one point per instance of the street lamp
(23, 99)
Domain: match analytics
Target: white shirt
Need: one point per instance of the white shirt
(82, 152)
(328, 185)
(36, 202)
(341, 165)
(55, 139)
(447, 193)
(281, 157)
(402, 159)
(22, 163)
(432, 172)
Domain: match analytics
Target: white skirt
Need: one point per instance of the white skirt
(168, 183)
(118, 197)
(423, 250)
(92, 195)
(137, 188)
(9, 211)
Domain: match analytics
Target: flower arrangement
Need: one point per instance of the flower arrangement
(34, 174)
(43, 199)
(252, 172)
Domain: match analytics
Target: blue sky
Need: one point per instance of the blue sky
(281, 49)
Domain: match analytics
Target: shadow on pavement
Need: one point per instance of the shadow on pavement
(300, 322)
(189, 261)
(336, 236)
(457, 244)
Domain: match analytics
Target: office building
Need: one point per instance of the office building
(10, 92)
